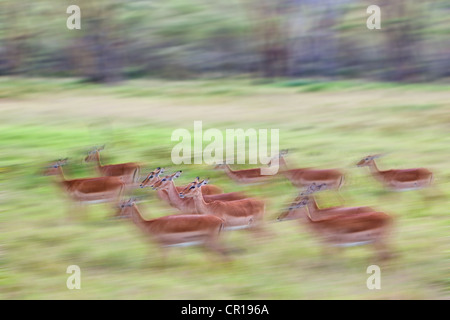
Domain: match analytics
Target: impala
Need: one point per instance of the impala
(177, 230)
(153, 177)
(301, 177)
(344, 230)
(244, 176)
(88, 190)
(317, 213)
(250, 176)
(398, 179)
(237, 214)
(187, 205)
(128, 171)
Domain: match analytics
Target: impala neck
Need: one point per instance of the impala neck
(229, 172)
(281, 163)
(162, 194)
(174, 197)
(227, 168)
(61, 179)
(374, 169)
(200, 205)
(313, 209)
(137, 217)
(97, 158)
(299, 213)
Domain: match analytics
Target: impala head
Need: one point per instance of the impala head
(152, 178)
(124, 207)
(279, 158)
(93, 154)
(193, 188)
(367, 160)
(293, 211)
(164, 183)
(313, 187)
(54, 168)
(220, 165)
(283, 153)
(301, 201)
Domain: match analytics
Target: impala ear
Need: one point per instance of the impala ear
(177, 174)
(311, 188)
(101, 148)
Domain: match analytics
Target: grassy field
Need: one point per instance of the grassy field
(326, 125)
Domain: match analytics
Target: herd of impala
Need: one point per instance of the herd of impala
(205, 210)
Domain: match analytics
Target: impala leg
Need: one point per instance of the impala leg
(329, 250)
(218, 249)
(84, 209)
(329, 247)
(70, 211)
(341, 199)
(382, 250)
(432, 192)
(327, 254)
(261, 231)
(76, 210)
(163, 253)
(72, 208)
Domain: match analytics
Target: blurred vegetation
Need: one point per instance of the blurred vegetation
(334, 125)
(185, 39)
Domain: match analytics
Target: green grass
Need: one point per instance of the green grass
(334, 125)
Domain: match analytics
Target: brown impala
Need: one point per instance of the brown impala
(237, 214)
(153, 177)
(398, 179)
(187, 205)
(87, 190)
(177, 230)
(253, 175)
(303, 177)
(344, 230)
(317, 213)
(128, 171)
